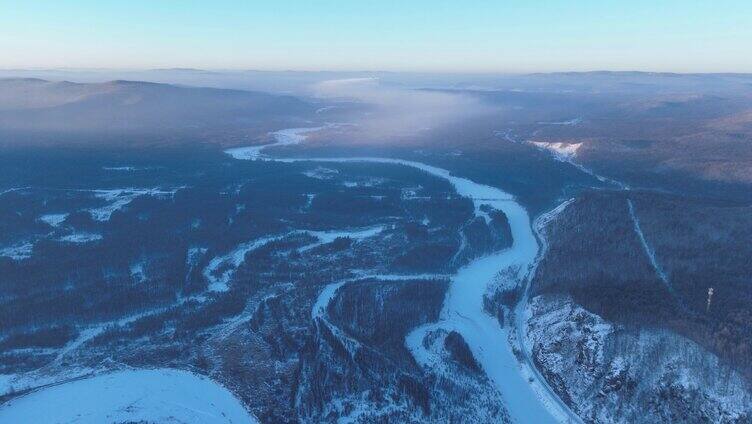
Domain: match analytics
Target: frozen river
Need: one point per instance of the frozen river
(526, 400)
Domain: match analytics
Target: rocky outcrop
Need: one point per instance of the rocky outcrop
(609, 373)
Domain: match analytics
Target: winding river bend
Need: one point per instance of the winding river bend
(527, 398)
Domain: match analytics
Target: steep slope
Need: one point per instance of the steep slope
(620, 339)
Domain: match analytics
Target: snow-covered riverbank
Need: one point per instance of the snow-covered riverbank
(521, 316)
(161, 395)
(463, 310)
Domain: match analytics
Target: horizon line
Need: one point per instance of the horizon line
(363, 71)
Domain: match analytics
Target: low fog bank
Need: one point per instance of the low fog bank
(372, 111)
(387, 114)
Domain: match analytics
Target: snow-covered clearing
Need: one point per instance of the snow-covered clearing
(564, 152)
(80, 238)
(138, 271)
(14, 383)
(561, 151)
(326, 237)
(321, 173)
(119, 198)
(53, 219)
(18, 251)
(160, 395)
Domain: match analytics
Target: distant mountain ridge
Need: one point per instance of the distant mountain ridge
(300, 82)
(121, 106)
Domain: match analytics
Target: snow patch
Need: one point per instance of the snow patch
(563, 152)
(368, 182)
(138, 271)
(321, 173)
(120, 168)
(54, 219)
(571, 122)
(18, 251)
(326, 237)
(309, 200)
(119, 198)
(80, 238)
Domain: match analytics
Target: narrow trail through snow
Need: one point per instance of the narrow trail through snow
(646, 247)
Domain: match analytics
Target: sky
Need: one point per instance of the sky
(384, 35)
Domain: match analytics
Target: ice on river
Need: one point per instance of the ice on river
(286, 137)
(160, 396)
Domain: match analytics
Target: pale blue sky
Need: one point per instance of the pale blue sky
(407, 35)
